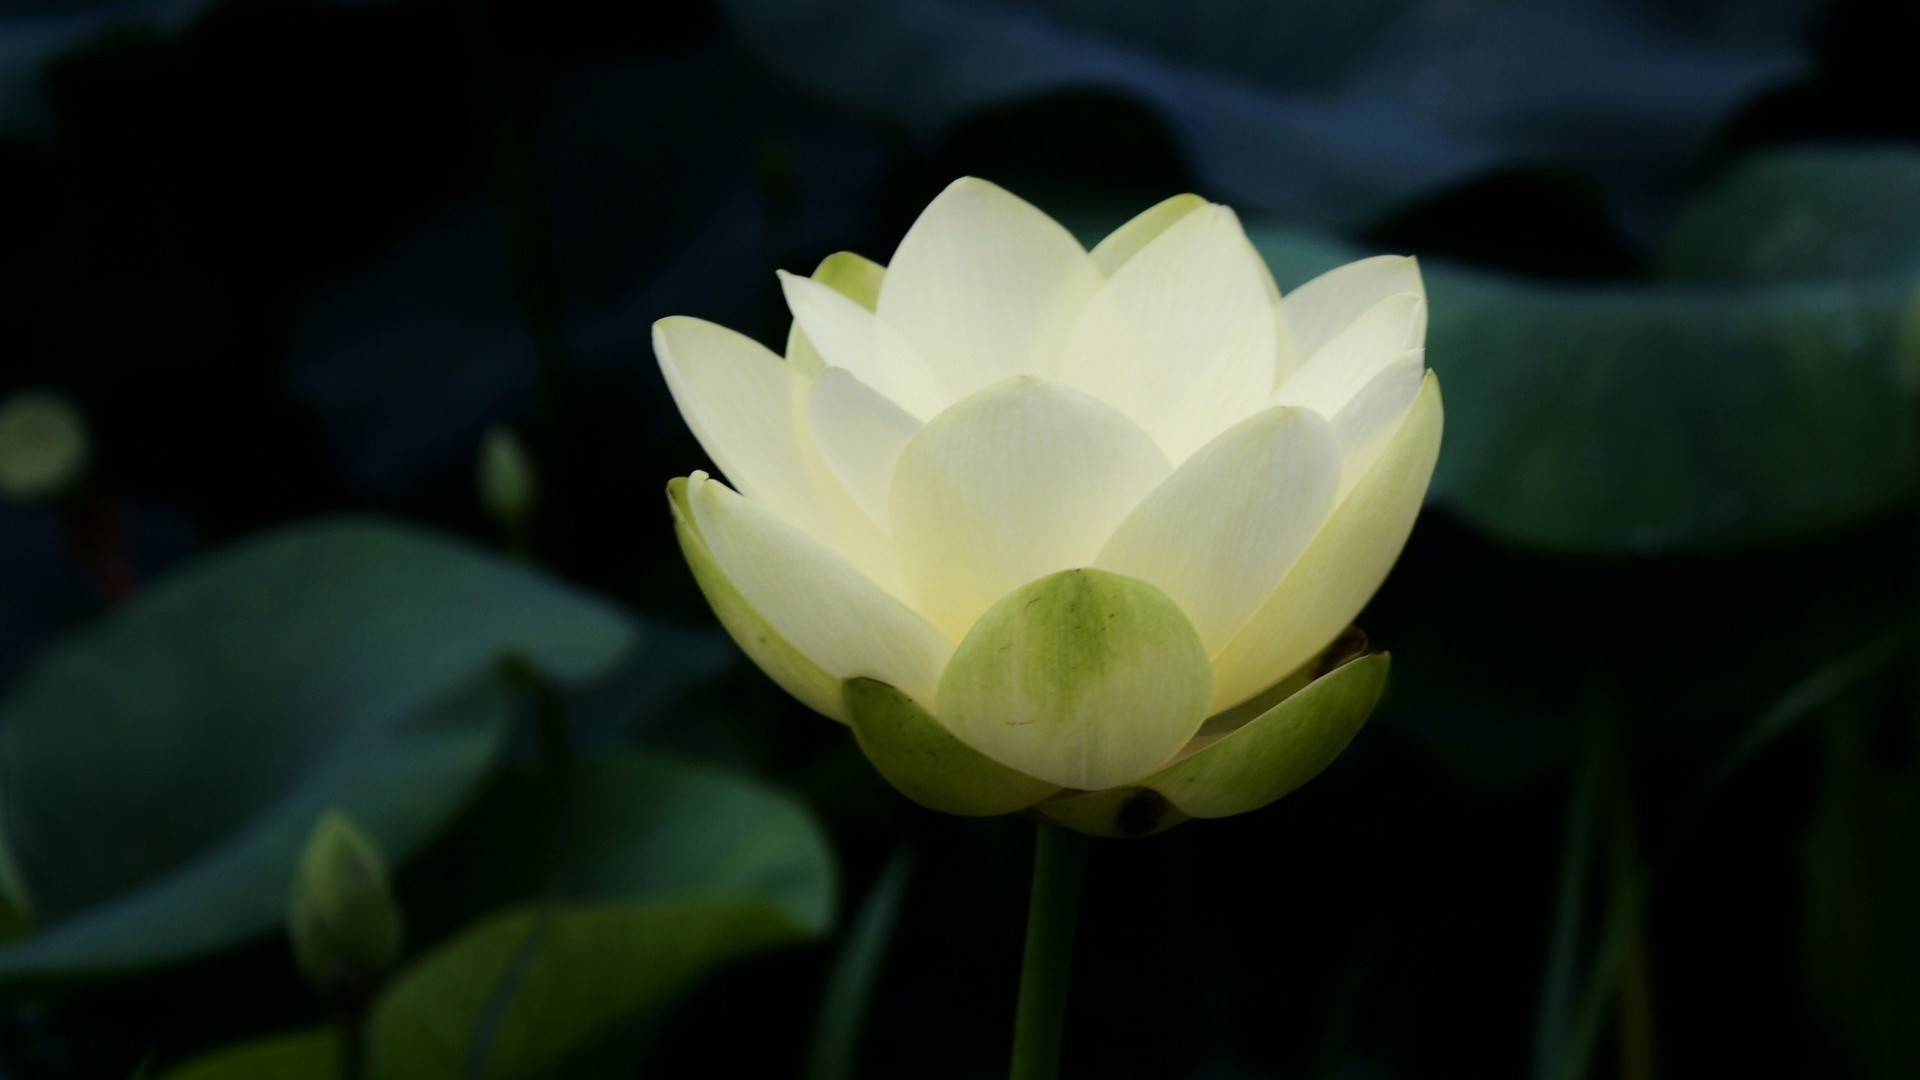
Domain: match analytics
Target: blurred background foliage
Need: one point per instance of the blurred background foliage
(1643, 798)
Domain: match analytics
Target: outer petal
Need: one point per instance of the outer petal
(1020, 480)
(1332, 376)
(926, 763)
(1084, 678)
(1365, 423)
(1217, 536)
(851, 337)
(770, 652)
(1343, 566)
(1181, 339)
(1270, 756)
(825, 609)
(737, 398)
(860, 435)
(985, 286)
(1319, 310)
(1126, 241)
(854, 276)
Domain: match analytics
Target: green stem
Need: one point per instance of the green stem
(1059, 863)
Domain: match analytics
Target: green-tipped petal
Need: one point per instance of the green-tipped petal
(1083, 678)
(770, 652)
(926, 763)
(1243, 770)
(854, 276)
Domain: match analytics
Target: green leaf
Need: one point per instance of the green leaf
(1329, 110)
(163, 770)
(926, 763)
(1803, 214)
(623, 880)
(302, 1055)
(1757, 397)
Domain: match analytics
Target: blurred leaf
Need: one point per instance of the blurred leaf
(1803, 213)
(1332, 111)
(627, 879)
(1666, 416)
(1861, 858)
(305, 1055)
(848, 995)
(161, 772)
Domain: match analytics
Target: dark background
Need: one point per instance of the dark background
(294, 258)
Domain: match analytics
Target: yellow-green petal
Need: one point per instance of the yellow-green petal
(1119, 813)
(1083, 678)
(926, 763)
(770, 652)
(1284, 747)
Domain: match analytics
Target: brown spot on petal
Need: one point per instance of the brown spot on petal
(1142, 812)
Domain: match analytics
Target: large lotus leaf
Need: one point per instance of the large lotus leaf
(1330, 111)
(1729, 408)
(161, 771)
(626, 879)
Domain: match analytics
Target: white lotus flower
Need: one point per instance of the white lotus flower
(1064, 530)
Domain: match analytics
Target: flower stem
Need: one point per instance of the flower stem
(1059, 863)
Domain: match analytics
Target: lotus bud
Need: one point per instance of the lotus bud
(1076, 534)
(343, 920)
(43, 447)
(505, 478)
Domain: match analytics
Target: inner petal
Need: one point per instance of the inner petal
(1022, 479)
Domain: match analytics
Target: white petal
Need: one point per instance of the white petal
(1022, 479)
(1343, 566)
(1218, 535)
(847, 335)
(1365, 424)
(860, 435)
(985, 286)
(824, 608)
(1333, 374)
(1126, 241)
(737, 398)
(1323, 307)
(1181, 339)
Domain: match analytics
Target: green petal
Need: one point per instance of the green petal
(772, 653)
(926, 763)
(1244, 770)
(855, 277)
(1083, 678)
(1281, 749)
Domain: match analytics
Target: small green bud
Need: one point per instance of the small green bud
(43, 446)
(508, 484)
(343, 919)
